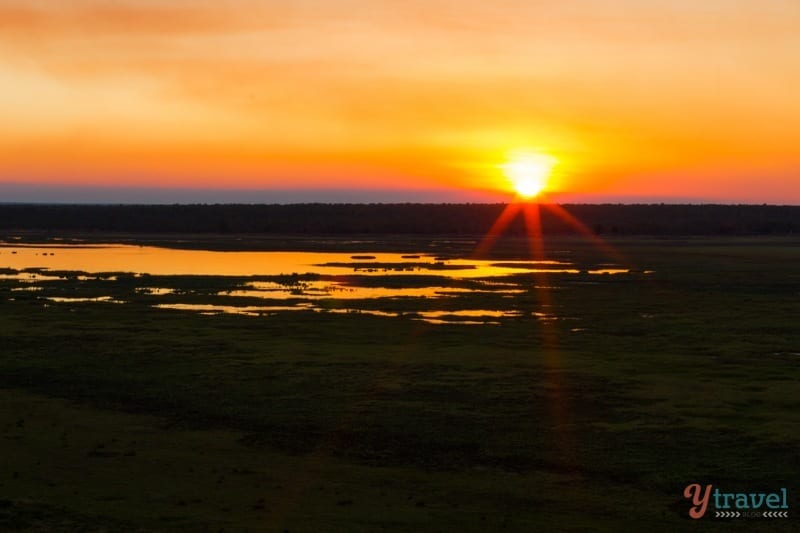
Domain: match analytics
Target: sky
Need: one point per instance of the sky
(412, 100)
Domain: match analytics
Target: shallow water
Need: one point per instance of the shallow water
(249, 310)
(80, 299)
(166, 261)
(345, 291)
(59, 267)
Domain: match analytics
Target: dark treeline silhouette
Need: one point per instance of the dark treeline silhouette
(453, 219)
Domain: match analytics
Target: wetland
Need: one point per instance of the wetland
(360, 384)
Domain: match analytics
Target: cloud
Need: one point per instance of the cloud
(98, 19)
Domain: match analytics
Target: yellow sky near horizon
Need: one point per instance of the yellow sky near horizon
(662, 98)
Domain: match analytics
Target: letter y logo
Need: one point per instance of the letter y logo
(699, 502)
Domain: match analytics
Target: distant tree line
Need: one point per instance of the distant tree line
(453, 219)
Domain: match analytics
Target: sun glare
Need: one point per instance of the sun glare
(528, 173)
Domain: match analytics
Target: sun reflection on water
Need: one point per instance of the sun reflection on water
(398, 285)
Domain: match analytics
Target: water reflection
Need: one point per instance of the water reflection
(155, 291)
(401, 285)
(432, 317)
(253, 310)
(457, 316)
(166, 261)
(372, 312)
(80, 299)
(440, 322)
(35, 275)
(609, 271)
(470, 313)
(347, 291)
(248, 310)
(29, 277)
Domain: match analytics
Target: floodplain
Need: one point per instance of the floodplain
(394, 384)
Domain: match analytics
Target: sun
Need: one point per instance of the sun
(529, 172)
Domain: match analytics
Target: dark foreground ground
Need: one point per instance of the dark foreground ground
(128, 418)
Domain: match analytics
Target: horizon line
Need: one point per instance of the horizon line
(52, 194)
(653, 203)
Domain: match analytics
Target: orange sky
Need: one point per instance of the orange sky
(659, 99)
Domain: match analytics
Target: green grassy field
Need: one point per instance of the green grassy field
(122, 417)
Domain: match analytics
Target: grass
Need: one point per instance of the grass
(124, 417)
